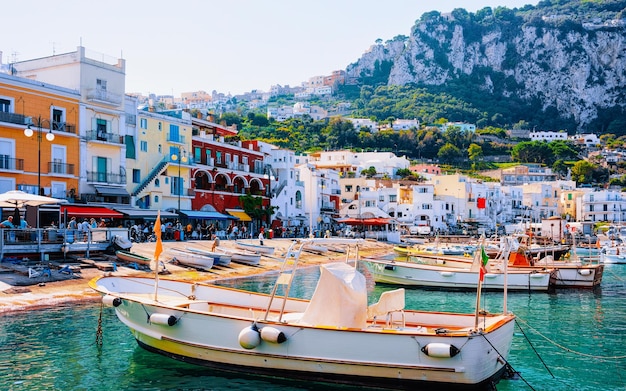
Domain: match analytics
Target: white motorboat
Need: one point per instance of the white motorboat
(334, 337)
(258, 248)
(457, 273)
(615, 254)
(189, 258)
(220, 258)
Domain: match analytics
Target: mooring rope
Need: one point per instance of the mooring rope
(568, 349)
(507, 364)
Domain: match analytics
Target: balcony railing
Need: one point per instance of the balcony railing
(12, 118)
(175, 138)
(106, 177)
(64, 127)
(10, 163)
(99, 135)
(104, 96)
(60, 168)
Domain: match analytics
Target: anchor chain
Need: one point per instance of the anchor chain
(99, 330)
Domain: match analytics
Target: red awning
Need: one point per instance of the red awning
(90, 211)
(370, 221)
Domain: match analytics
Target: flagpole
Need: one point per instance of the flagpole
(481, 273)
(158, 249)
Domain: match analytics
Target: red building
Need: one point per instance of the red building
(226, 170)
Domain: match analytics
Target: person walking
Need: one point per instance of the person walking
(261, 237)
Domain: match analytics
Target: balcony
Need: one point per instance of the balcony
(63, 127)
(8, 163)
(104, 96)
(12, 118)
(328, 207)
(106, 177)
(60, 168)
(100, 135)
(175, 138)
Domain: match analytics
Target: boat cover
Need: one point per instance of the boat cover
(340, 298)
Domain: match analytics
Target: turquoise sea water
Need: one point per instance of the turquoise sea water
(579, 335)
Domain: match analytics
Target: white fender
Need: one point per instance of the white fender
(447, 274)
(111, 300)
(249, 338)
(163, 319)
(271, 334)
(440, 350)
(584, 272)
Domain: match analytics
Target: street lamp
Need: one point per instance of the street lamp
(179, 157)
(28, 132)
(269, 175)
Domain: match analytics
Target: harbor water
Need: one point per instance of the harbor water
(566, 340)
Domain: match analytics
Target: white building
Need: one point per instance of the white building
(603, 205)
(547, 136)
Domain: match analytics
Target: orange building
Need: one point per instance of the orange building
(39, 144)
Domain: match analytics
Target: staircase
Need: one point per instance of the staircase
(153, 174)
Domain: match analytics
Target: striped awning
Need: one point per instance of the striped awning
(240, 214)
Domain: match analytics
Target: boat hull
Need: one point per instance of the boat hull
(195, 260)
(245, 257)
(434, 276)
(129, 257)
(376, 355)
(220, 258)
(267, 250)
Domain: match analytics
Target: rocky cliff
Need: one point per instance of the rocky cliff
(572, 62)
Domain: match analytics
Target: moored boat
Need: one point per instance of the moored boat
(192, 259)
(130, 257)
(220, 257)
(244, 256)
(266, 250)
(333, 337)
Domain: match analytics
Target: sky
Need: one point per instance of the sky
(230, 46)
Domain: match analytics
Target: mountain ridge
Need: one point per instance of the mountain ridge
(563, 56)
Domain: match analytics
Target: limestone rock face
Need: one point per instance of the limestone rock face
(578, 68)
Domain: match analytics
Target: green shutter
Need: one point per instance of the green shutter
(130, 147)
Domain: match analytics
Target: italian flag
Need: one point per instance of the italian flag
(483, 264)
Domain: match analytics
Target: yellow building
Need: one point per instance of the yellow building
(160, 171)
(39, 144)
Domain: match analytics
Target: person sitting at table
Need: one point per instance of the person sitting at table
(8, 223)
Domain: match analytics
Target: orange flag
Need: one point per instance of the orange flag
(158, 249)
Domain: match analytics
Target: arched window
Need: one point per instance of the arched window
(157, 182)
(298, 199)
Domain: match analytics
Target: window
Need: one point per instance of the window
(157, 182)
(393, 198)
(101, 129)
(160, 126)
(197, 154)
(174, 133)
(143, 123)
(101, 85)
(136, 175)
(176, 185)
(348, 188)
(156, 199)
(5, 105)
(143, 146)
(58, 119)
(218, 157)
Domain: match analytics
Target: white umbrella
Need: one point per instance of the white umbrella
(20, 199)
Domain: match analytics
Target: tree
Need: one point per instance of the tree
(582, 172)
(449, 153)
(475, 153)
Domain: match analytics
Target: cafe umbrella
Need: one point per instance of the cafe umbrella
(19, 199)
